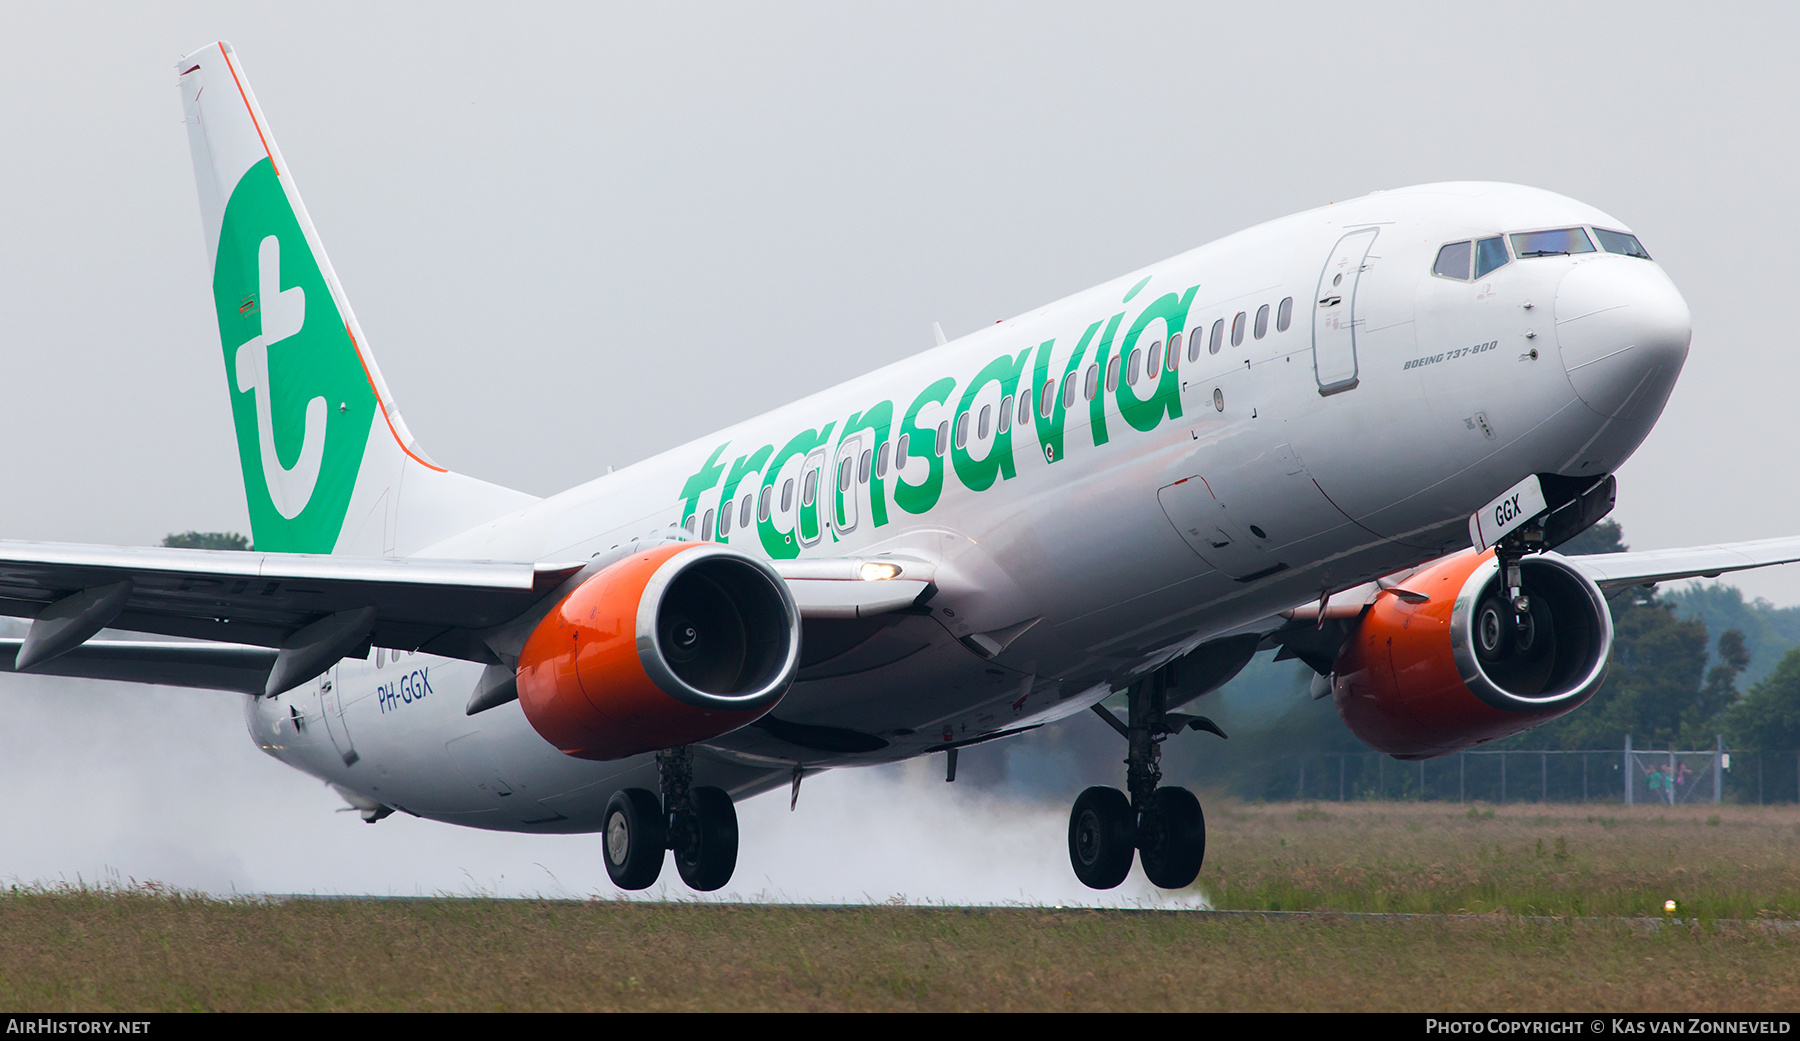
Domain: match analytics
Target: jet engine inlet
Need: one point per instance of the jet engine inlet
(1424, 678)
(720, 630)
(1553, 652)
(674, 645)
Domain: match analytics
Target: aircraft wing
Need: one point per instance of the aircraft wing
(264, 599)
(211, 666)
(1618, 570)
(314, 608)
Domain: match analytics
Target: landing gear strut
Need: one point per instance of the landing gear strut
(698, 824)
(1164, 826)
(703, 828)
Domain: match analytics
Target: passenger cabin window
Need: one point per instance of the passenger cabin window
(725, 520)
(1047, 399)
(943, 436)
(844, 476)
(762, 507)
(899, 453)
(744, 512)
(1153, 359)
(1131, 366)
(1453, 261)
(706, 527)
(1194, 338)
(1005, 415)
(881, 461)
(862, 466)
(1070, 389)
(1489, 254)
(1112, 373)
(1174, 350)
(1559, 242)
(787, 495)
(1091, 385)
(809, 493)
(1284, 314)
(1024, 407)
(1237, 330)
(1621, 243)
(962, 431)
(1262, 321)
(1218, 337)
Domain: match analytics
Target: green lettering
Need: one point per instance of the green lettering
(776, 543)
(979, 475)
(1103, 358)
(1050, 428)
(702, 480)
(1165, 395)
(878, 419)
(745, 465)
(917, 498)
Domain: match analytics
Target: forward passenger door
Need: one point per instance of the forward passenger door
(1334, 313)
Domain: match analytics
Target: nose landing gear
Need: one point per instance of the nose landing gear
(698, 824)
(1162, 825)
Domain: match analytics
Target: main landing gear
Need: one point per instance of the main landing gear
(1163, 826)
(698, 824)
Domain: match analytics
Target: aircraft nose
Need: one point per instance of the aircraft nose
(1623, 330)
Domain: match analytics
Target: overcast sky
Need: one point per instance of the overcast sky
(578, 235)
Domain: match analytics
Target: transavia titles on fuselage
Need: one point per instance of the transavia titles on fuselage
(1356, 433)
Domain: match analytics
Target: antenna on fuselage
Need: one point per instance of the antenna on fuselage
(938, 331)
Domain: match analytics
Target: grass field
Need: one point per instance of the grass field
(1715, 862)
(152, 950)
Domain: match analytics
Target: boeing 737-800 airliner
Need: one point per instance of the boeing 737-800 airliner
(1356, 434)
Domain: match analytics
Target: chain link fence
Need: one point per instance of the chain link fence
(1634, 776)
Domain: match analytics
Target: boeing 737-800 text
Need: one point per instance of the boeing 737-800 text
(1356, 434)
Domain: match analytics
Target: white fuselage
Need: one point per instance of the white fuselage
(1094, 539)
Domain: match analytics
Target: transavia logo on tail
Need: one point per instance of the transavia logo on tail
(301, 401)
(283, 316)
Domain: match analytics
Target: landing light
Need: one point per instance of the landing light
(878, 572)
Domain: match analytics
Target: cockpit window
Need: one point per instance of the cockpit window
(1557, 243)
(1453, 261)
(1489, 254)
(1620, 242)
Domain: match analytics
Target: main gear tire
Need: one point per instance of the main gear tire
(1172, 839)
(706, 845)
(636, 835)
(1101, 834)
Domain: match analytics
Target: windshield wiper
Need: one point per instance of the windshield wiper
(1546, 253)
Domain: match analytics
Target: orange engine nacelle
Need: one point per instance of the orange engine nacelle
(1424, 679)
(675, 644)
